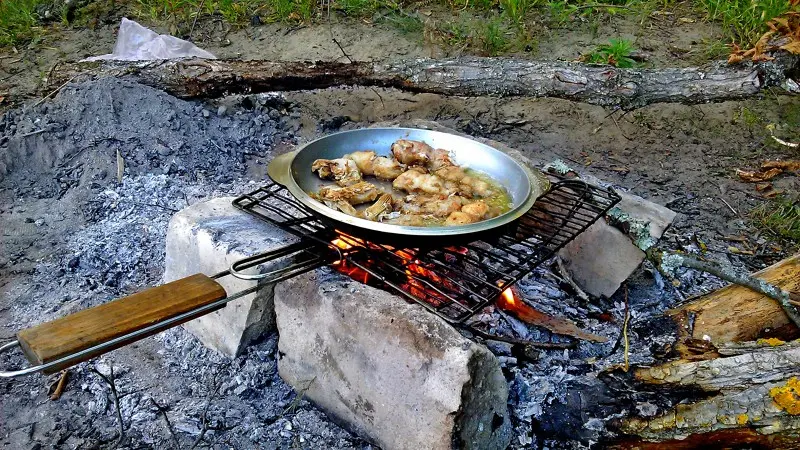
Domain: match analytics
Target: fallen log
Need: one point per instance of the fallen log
(594, 84)
(736, 313)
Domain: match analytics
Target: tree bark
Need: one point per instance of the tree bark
(599, 85)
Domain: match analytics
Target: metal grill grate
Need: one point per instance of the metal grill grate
(454, 282)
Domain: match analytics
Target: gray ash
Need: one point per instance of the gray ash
(74, 237)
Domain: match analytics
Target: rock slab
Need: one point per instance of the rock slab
(206, 238)
(389, 370)
(601, 258)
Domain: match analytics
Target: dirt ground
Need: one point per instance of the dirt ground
(58, 223)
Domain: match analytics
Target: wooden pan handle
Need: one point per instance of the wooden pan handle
(87, 328)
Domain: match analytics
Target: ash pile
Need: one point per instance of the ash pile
(88, 183)
(75, 235)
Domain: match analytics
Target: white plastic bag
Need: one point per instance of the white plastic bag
(137, 43)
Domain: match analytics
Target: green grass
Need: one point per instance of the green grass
(517, 10)
(744, 21)
(493, 38)
(616, 53)
(235, 12)
(780, 217)
(497, 26)
(18, 21)
(408, 23)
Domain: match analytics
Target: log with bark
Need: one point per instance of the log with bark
(738, 390)
(599, 85)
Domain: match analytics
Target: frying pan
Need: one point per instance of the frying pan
(85, 334)
(293, 170)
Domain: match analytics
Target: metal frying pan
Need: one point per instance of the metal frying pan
(293, 170)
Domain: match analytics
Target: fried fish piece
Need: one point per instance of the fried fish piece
(382, 206)
(412, 181)
(355, 194)
(408, 220)
(459, 218)
(465, 184)
(370, 163)
(418, 153)
(344, 171)
(342, 206)
(478, 209)
(432, 205)
(470, 213)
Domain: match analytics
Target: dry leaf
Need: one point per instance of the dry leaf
(2, 99)
(761, 187)
(762, 57)
(686, 20)
(792, 47)
(790, 165)
(757, 176)
(735, 58)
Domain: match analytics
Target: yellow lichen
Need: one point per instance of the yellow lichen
(772, 342)
(741, 419)
(787, 397)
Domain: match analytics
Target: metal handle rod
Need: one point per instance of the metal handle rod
(273, 276)
(293, 249)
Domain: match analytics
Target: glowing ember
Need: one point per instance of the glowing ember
(341, 244)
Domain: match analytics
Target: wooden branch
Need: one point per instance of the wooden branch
(736, 313)
(599, 85)
(750, 391)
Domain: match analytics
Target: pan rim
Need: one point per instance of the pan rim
(288, 180)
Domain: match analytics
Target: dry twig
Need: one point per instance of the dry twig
(111, 384)
(196, 15)
(53, 92)
(668, 262)
(62, 383)
(562, 269)
(626, 341)
(163, 412)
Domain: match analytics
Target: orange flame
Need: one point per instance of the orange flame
(508, 297)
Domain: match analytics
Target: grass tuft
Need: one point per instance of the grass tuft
(744, 21)
(405, 22)
(18, 21)
(493, 37)
(616, 53)
(780, 217)
(516, 10)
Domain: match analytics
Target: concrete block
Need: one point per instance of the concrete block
(602, 257)
(206, 238)
(389, 370)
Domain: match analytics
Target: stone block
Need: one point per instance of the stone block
(389, 370)
(602, 257)
(206, 238)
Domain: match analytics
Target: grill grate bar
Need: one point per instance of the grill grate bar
(454, 282)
